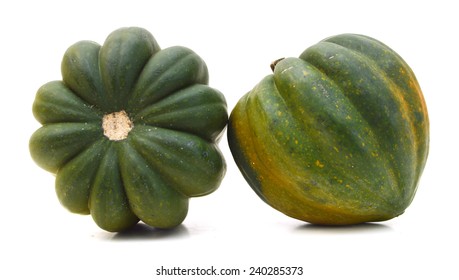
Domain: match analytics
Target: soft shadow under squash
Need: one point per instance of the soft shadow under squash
(358, 228)
(142, 231)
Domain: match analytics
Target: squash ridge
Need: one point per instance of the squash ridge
(179, 149)
(80, 77)
(149, 196)
(176, 112)
(83, 149)
(328, 113)
(56, 103)
(48, 149)
(287, 164)
(145, 96)
(257, 186)
(72, 188)
(411, 101)
(400, 97)
(389, 118)
(122, 58)
(108, 204)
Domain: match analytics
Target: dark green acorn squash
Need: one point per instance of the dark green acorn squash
(337, 136)
(131, 131)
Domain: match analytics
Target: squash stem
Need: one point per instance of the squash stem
(274, 63)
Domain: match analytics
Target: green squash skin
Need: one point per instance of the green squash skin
(169, 155)
(334, 137)
(109, 204)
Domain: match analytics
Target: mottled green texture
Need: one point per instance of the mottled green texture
(339, 135)
(170, 154)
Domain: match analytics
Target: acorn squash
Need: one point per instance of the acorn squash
(131, 131)
(337, 136)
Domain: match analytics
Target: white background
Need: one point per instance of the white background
(231, 228)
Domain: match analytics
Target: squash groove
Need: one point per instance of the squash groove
(163, 76)
(108, 203)
(306, 146)
(76, 178)
(371, 95)
(153, 200)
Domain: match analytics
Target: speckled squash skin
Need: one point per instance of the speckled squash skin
(337, 136)
(169, 155)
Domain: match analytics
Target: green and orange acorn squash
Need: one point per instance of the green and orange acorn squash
(337, 136)
(131, 131)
